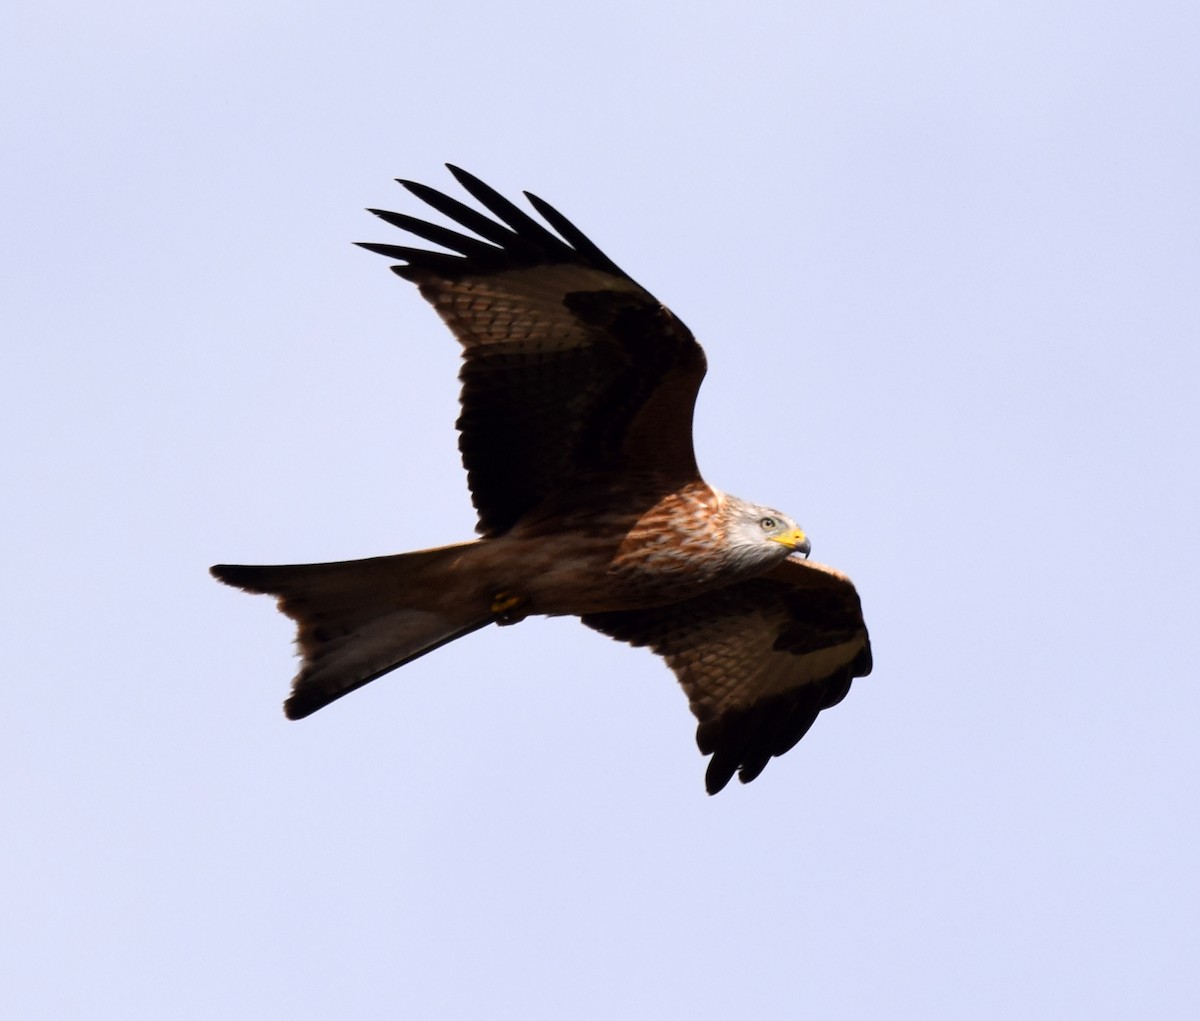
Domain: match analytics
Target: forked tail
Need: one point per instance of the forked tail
(358, 619)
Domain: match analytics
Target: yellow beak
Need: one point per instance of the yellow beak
(794, 540)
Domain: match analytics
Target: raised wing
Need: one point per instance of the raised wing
(571, 369)
(758, 660)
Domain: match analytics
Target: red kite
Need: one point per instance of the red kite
(576, 432)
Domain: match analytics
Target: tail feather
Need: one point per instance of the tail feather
(359, 619)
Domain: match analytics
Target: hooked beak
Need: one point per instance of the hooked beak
(794, 540)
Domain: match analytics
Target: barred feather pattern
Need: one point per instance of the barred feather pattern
(679, 535)
(682, 546)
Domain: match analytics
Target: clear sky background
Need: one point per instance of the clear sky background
(944, 260)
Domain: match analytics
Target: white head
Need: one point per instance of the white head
(758, 537)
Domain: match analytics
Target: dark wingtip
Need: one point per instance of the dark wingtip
(297, 707)
(227, 574)
(864, 662)
(418, 188)
(243, 576)
(715, 780)
(387, 251)
(473, 184)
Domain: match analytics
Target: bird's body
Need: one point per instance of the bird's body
(599, 553)
(578, 390)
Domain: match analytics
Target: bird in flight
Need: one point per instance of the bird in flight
(578, 389)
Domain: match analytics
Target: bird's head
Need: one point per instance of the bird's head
(760, 536)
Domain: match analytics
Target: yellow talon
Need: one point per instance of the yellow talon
(503, 605)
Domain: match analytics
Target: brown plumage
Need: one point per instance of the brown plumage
(576, 432)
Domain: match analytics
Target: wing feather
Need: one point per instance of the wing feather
(571, 370)
(461, 213)
(758, 660)
(574, 236)
(452, 239)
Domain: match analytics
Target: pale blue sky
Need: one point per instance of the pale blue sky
(944, 261)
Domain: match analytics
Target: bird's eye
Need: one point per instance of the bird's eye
(768, 524)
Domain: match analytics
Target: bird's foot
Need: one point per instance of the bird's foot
(508, 607)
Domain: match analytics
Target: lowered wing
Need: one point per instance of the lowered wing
(758, 660)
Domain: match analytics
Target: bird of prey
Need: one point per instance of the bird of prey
(576, 433)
